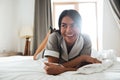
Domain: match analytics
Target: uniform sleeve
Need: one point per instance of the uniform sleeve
(52, 48)
(87, 45)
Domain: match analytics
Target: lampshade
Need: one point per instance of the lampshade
(26, 32)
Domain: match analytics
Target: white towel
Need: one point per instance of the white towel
(107, 57)
(94, 68)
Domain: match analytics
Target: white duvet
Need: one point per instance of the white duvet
(25, 68)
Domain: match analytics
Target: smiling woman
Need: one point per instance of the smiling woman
(88, 11)
(68, 46)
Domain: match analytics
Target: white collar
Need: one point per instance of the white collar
(77, 47)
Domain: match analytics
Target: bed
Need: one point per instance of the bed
(25, 68)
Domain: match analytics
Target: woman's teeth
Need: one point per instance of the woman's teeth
(70, 35)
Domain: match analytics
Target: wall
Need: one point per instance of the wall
(24, 18)
(7, 25)
(111, 32)
(14, 14)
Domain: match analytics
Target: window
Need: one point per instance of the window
(88, 13)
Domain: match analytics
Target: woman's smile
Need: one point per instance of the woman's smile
(68, 30)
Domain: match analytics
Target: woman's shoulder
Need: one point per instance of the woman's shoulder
(86, 38)
(55, 35)
(85, 35)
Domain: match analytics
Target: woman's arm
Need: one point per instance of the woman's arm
(53, 69)
(75, 62)
(80, 61)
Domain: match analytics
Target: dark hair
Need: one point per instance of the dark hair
(73, 14)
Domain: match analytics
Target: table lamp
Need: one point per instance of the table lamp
(26, 33)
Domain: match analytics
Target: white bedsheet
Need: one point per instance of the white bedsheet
(25, 68)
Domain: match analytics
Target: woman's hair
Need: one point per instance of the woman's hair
(73, 14)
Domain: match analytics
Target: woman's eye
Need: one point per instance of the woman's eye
(64, 25)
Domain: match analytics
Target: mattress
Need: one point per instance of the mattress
(25, 68)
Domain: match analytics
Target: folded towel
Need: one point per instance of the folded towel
(94, 68)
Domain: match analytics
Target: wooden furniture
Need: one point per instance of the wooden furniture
(27, 47)
(26, 33)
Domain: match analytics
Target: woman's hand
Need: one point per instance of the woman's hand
(54, 68)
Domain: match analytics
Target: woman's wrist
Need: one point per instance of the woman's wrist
(67, 69)
(70, 69)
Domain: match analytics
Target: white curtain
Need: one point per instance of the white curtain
(115, 11)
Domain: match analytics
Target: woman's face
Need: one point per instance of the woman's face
(69, 30)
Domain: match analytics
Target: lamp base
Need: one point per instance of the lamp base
(27, 47)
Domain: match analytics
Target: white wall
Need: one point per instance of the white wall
(24, 18)
(14, 14)
(111, 32)
(6, 25)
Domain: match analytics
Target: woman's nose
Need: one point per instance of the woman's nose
(69, 28)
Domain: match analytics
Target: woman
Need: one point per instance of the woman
(67, 49)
